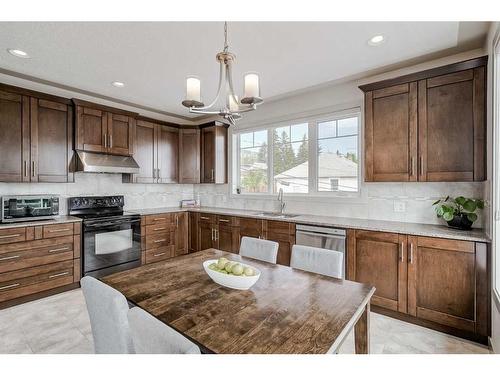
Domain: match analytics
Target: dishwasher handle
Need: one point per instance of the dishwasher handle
(337, 237)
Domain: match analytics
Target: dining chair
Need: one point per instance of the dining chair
(257, 248)
(151, 336)
(107, 310)
(314, 259)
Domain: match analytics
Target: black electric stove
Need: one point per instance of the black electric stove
(111, 236)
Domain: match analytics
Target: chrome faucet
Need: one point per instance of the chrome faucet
(280, 198)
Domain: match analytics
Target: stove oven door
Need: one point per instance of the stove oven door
(111, 245)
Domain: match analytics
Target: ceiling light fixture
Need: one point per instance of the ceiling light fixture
(118, 84)
(18, 53)
(232, 108)
(376, 40)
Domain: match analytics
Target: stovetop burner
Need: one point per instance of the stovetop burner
(97, 207)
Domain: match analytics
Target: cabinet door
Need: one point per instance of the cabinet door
(189, 162)
(391, 133)
(91, 129)
(167, 154)
(379, 259)
(120, 131)
(251, 228)
(452, 127)
(441, 281)
(144, 153)
(193, 232)
(206, 237)
(51, 141)
(181, 233)
(208, 155)
(14, 139)
(283, 233)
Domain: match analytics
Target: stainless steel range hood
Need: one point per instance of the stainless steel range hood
(102, 163)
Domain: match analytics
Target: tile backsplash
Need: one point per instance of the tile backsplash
(136, 195)
(376, 200)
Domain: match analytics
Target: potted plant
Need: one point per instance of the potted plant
(458, 212)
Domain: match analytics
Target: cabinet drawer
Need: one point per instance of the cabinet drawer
(167, 219)
(11, 235)
(158, 228)
(57, 230)
(207, 218)
(159, 254)
(35, 253)
(225, 221)
(20, 283)
(159, 240)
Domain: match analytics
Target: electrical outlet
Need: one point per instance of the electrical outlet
(399, 206)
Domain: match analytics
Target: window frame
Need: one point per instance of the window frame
(312, 121)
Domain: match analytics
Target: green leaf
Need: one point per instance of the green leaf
(460, 201)
(480, 203)
(470, 205)
(436, 202)
(448, 209)
(472, 216)
(448, 216)
(439, 211)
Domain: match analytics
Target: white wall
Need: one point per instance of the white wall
(376, 200)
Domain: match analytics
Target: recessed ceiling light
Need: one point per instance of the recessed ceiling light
(18, 53)
(117, 84)
(376, 40)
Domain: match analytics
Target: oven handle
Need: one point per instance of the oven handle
(97, 226)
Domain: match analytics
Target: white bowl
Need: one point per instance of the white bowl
(231, 281)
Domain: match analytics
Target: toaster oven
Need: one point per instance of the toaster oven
(17, 208)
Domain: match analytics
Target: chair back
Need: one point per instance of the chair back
(314, 259)
(257, 248)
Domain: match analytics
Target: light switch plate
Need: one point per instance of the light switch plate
(399, 206)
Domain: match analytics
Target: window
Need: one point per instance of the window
(314, 156)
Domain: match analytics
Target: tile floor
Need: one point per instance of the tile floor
(60, 324)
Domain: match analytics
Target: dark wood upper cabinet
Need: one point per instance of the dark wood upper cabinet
(51, 141)
(427, 126)
(379, 259)
(14, 139)
(214, 153)
(167, 140)
(189, 162)
(104, 129)
(145, 153)
(390, 133)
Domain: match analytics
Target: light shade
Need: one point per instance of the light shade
(252, 86)
(193, 89)
(232, 104)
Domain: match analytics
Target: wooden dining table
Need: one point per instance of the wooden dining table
(286, 311)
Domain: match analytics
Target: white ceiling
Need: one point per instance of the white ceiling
(153, 59)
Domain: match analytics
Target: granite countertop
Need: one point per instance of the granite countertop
(430, 230)
(56, 220)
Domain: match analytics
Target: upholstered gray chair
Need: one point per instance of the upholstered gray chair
(256, 248)
(107, 309)
(150, 336)
(314, 259)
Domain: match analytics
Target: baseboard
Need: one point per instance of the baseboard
(35, 296)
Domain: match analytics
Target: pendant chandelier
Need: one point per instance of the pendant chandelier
(232, 108)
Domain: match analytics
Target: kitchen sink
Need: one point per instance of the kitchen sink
(276, 215)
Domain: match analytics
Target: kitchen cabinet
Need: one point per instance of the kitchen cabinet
(216, 231)
(439, 283)
(251, 228)
(36, 261)
(14, 142)
(104, 129)
(283, 233)
(181, 233)
(158, 237)
(193, 232)
(51, 141)
(189, 162)
(379, 259)
(156, 152)
(214, 153)
(37, 136)
(427, 126)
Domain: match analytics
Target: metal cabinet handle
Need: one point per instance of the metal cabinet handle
(421, 165)
(412, 166)
(25, 168)
(213, 175)
(177, 221)
(9, 286)
(58, 275)
(110, 140)
(11, 257)
(158, 173)
(401, 252)
(59, 249)
(212, 231)
(204, 218)
(223, 220)
(105, 140)
(162, 228)
(157, 241)
(9, 236)
(159, 218)
(58, 230)
(216, 234)
(33, 169)
(410, 257)
(160, 254)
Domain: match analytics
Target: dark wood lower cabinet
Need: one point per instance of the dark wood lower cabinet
(283, 233)
(439, 283)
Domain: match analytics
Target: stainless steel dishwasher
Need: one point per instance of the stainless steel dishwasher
(326, 238)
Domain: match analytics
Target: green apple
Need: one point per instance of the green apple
(221, 263)
(228, 266)
(237, 269)
(248, 271)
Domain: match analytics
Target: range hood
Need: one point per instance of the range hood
(103, 163)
